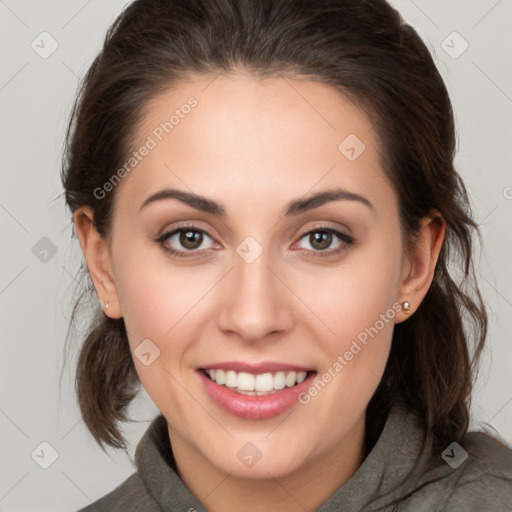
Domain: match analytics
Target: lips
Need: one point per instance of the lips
(255, 391)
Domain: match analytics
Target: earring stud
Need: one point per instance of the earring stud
(406, 306)
(106, 306)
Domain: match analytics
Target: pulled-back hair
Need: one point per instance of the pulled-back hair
(363, 49)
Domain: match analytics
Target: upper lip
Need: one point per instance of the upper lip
(263, 367)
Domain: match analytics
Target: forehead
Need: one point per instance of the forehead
(223, 135)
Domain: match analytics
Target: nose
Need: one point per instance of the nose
(256, 301)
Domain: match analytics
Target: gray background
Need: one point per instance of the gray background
(36, 95)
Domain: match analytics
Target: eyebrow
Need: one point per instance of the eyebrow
(295, 207)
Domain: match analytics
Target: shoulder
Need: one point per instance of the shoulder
(490, 455)
(131, 495)
(484, 480)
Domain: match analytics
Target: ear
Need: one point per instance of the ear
(420, 263)
(98, 258)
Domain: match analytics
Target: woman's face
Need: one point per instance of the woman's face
(275, 276)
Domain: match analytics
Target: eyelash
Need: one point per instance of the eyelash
(346, 239)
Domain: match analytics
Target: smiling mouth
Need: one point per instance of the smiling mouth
(256, 384)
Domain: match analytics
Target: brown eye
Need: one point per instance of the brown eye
(325, 242)
(320, 240)
(190, 239)
(185, 241)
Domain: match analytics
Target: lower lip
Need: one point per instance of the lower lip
(254, 407)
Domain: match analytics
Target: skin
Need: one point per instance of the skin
(255, 145)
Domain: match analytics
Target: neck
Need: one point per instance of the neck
(306, 488)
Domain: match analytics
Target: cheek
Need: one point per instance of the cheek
(358, 304)
(354, 297)
(143, 303)
(151, 297)
(160, 301)
(361, 315)
(156, 305)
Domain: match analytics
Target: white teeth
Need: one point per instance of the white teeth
(218, 376)
(260, 384)
(231, 379)
(291, 379)
(264, 382)
(301, 376)
(245, 381)
(279, 380)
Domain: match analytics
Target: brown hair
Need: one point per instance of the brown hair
(366, 51)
